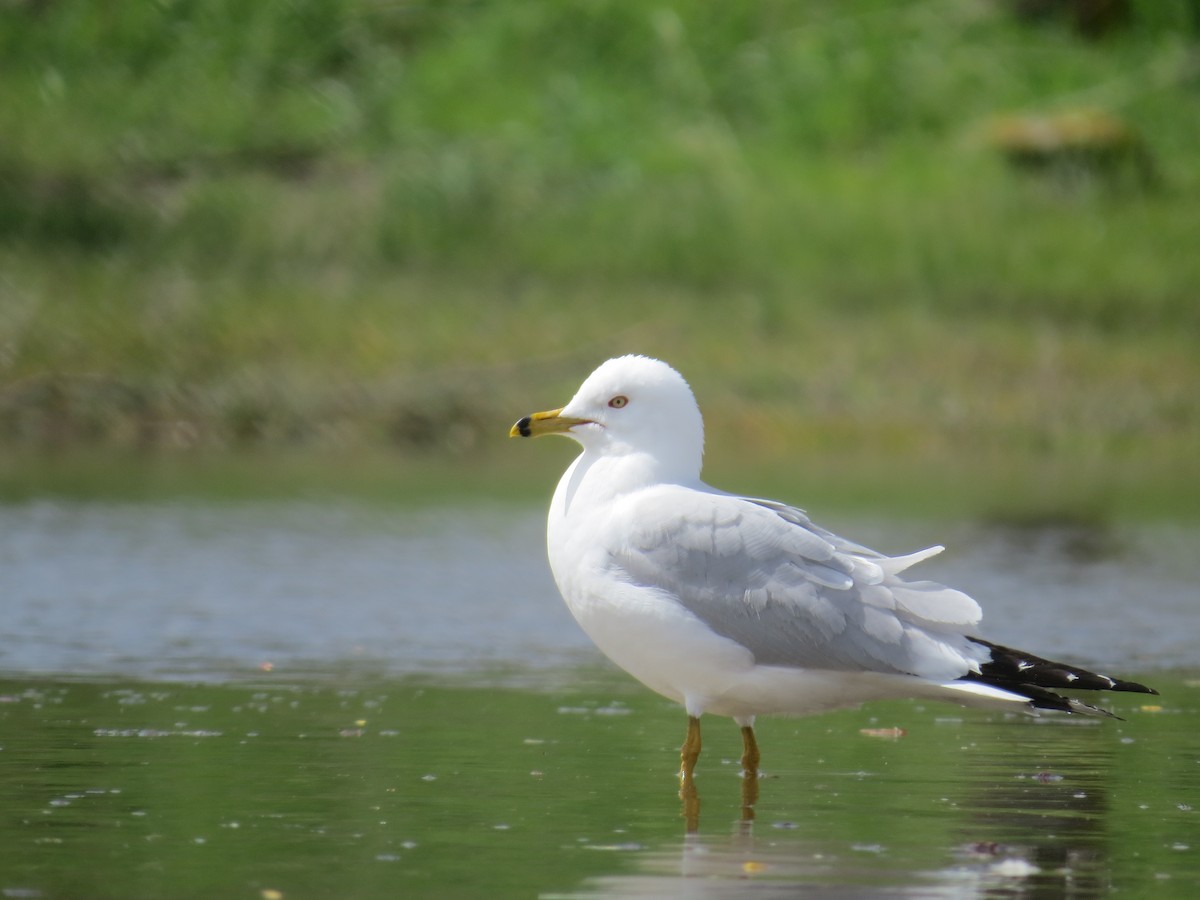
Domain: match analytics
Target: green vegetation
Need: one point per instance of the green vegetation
(368, 236)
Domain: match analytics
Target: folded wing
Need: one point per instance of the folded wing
(762, 574)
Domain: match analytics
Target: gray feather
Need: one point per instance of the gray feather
(762, 574)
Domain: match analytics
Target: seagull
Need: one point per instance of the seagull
(741, 606)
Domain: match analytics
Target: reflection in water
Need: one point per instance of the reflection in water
(743, 864)
(185, 768)
(689, 753)
(1051, 796)
(407, 788)
(1026, 816)
(689, 794)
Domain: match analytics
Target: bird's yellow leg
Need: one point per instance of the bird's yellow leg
(691, 805)
(689, 753)
(749, 773)
(750, 755)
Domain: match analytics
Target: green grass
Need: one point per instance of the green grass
(354, 231)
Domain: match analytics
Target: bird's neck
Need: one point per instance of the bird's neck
(595, 479)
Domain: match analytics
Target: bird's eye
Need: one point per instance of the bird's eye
(618, 401)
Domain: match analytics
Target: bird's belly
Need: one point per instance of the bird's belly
(661, 644)
(674, 653)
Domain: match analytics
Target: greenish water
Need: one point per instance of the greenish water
(303, 699)
(373, 788)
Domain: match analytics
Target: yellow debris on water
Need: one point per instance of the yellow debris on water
(892, 734)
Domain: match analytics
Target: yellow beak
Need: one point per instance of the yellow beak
(540, 423)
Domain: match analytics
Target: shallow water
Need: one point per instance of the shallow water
(213, 591)
(367, 788)
(305, 700)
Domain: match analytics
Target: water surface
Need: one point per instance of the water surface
(210, 591)
(370, 788)
(308, 700)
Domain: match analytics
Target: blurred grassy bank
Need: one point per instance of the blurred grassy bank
(342, 245)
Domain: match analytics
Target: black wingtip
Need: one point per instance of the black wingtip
(1133, 687)
(1038, 679)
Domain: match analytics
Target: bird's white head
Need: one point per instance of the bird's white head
(631, 405)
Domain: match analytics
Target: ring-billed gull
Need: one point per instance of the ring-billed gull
(741, 606)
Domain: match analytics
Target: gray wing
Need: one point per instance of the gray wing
(762, 574)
